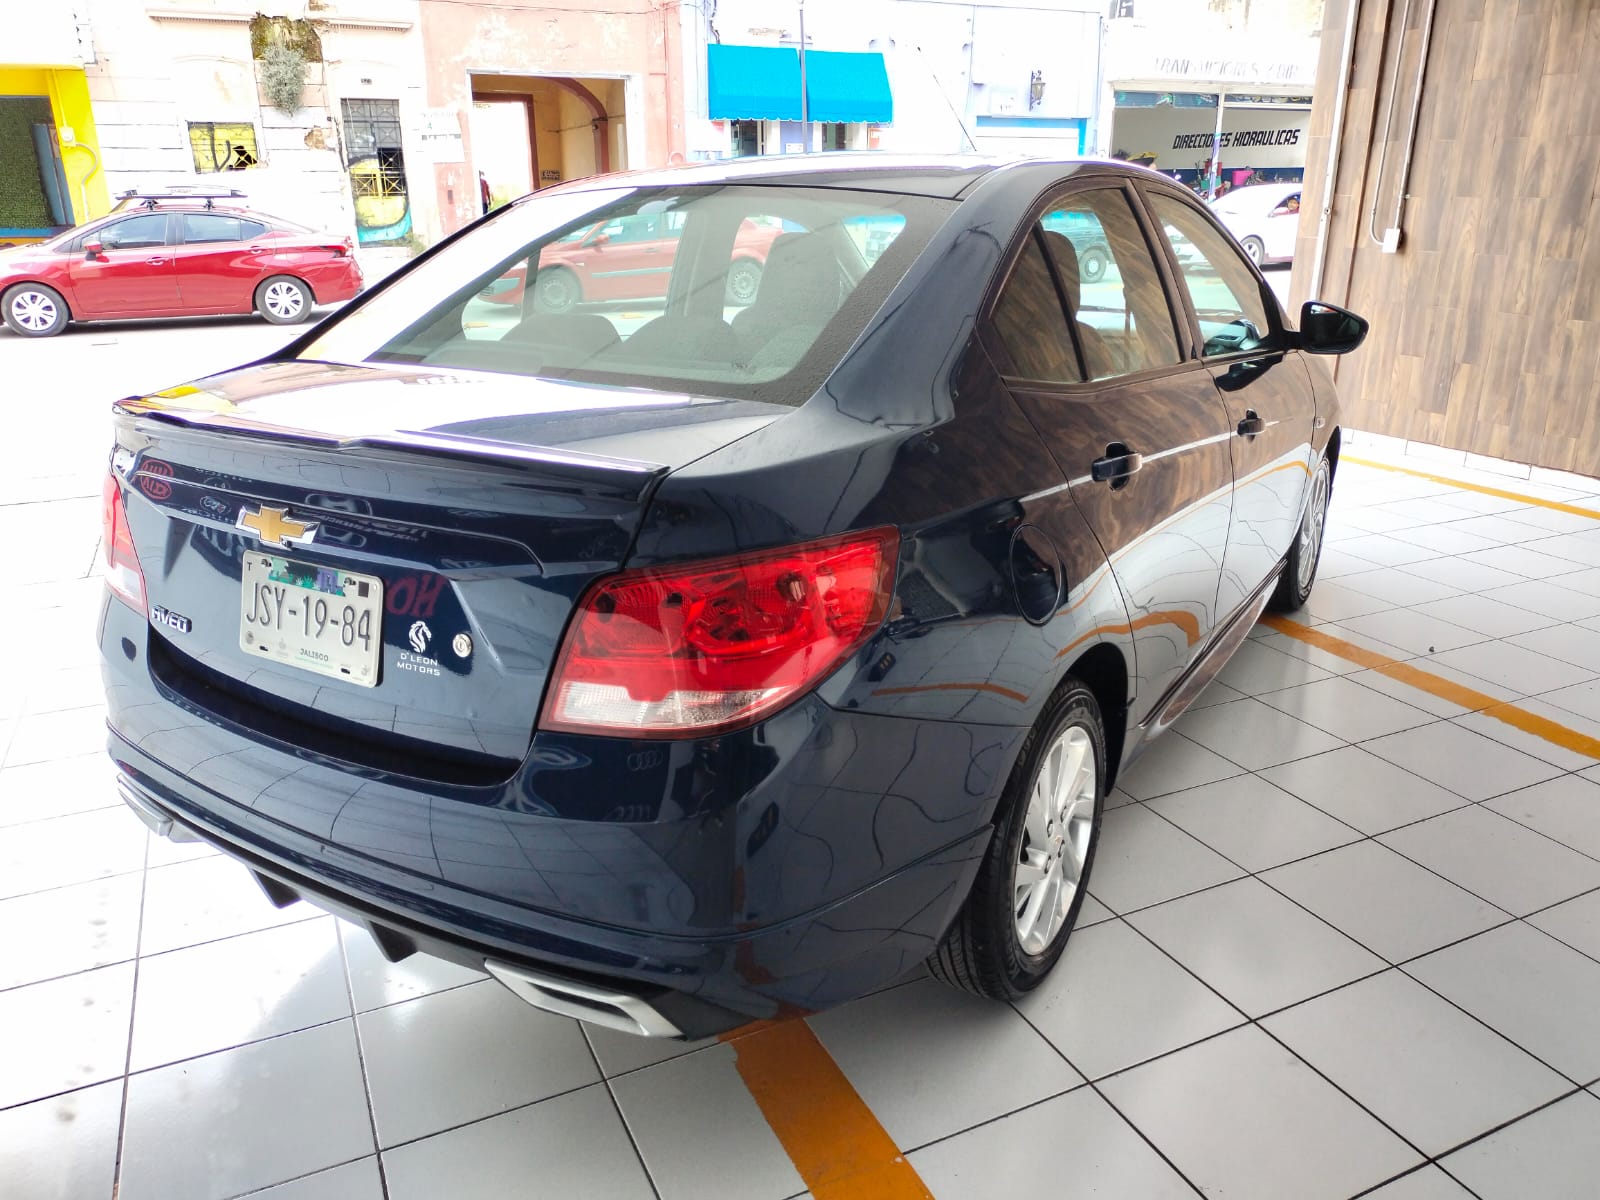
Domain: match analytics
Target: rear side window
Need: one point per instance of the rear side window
(752, 292)
(1224, 291)
(1030, 321)
(209, 227)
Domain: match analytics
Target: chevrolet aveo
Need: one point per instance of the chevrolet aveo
(723, 663)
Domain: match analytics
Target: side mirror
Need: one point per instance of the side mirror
(599, 240)
(1329, 329)
(92, 251)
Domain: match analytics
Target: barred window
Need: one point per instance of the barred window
(372, 147)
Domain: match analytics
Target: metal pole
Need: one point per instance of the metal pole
(1216, 148)
(805, 108)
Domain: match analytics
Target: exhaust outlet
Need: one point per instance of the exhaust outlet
(584, 1002)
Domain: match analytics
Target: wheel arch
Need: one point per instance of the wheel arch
(255, 292)
(1104, 671)
(64, 290)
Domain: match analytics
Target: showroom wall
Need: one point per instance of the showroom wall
(1486, 318)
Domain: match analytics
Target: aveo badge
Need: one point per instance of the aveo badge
(176, 622)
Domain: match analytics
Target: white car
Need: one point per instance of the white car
(1264, 217)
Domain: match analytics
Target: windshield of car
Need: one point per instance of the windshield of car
(753, 292)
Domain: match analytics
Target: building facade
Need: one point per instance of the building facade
(1216, 98)
(522, 97)
(914, 76)
(316, 120)
(50, 158)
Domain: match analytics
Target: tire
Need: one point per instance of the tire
(992, 949)
(1300, 564)
(1256, 249)
(34, 310)
(744, 281)
(556, 291)
(284, 300)
(1092, 265)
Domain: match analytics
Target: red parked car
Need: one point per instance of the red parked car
(175, 254)
(629, 258)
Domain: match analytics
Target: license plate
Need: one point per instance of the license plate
(319, 619)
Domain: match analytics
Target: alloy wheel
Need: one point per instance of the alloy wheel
(34, 311)
(1311, 528)
(283, 300)
(1055, 839)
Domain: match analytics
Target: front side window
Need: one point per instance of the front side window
(752, 292)
(136, 233)
(1224, 291)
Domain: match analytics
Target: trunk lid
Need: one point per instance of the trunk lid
(456, 518)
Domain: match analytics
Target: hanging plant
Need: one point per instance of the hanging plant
(283, 77)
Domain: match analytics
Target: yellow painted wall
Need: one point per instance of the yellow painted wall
(68, 90)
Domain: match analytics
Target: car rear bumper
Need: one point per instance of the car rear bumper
(828, 868)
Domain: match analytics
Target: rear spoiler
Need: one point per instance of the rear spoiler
(595, 468)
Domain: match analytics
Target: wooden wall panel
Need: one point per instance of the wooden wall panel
(1486, 323)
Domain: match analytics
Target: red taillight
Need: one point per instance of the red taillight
(121, 565)
(703, 647)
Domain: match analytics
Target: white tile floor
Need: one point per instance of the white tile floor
(1344, 938)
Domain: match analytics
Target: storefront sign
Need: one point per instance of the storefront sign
(1144, 56)
(1239, 139)
(1231, 70)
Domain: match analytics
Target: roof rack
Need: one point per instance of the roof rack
(150, 197)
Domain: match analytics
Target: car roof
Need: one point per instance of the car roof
(942, 176)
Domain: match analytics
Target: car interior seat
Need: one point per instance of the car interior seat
(573, 337)
(1098, 361)
(800, 292)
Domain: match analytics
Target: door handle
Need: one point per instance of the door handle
(154, 262)
(1116, 466)
(258, 249)
(1251, 424)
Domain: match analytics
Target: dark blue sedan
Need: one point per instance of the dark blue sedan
(698, 664)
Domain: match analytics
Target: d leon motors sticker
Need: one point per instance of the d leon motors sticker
(421, 663)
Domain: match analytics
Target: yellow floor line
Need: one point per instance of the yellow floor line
(1480, 488)
(829, 1133)
(1445, 689)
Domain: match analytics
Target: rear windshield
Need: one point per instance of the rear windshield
(753, 292)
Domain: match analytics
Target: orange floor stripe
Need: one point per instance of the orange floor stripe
(1482, 489)
(831, 1136)
(1445, 689)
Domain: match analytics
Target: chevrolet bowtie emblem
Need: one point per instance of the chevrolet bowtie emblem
(275, 527)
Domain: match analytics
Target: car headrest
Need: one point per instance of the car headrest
(801, 278)
(1065, 256)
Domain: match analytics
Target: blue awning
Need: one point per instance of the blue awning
(847, 87)
(753, 83)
